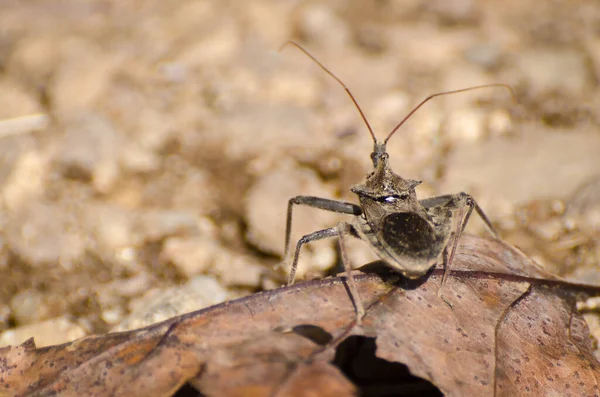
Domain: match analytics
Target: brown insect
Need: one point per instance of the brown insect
(408, 234)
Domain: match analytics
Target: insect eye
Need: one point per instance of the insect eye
(395, 198)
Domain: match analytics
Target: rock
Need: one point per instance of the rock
(38, 234)
(196, 255)
(486, 55)
(16, 101)
(83, 75)
(139, 160)
(217, 48)
(319, 23)
(50, 332)
(454, 11)
(27, 180)
(190, 255)
(237, 270)
(126, 287)
(159, 305)
(5, 315)
(266, 205)
(34, 60)
(90, 144)
(152, 226)
(111, 227)
(552, 70)
(29, 307)
(251, 129)
(116, 228)
(539, 167)
(466, 124)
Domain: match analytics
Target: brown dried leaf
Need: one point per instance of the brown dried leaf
(503, 327)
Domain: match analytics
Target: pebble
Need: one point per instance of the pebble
(265, 206)
(486, 55)
(38, 235)
(539, 165)
(30, 306)
(89, 141)
(196, 255)
(551, 70)
(83, 75)
(466, 125)
(252, 129)
(190, 255)
(16, 101)
(47, 333)
(319, 23)
(26, 181)
(159, 305)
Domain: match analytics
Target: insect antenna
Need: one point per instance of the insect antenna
(424, 101)
(380, 147)
(308, 54)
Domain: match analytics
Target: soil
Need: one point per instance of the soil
(148, 148)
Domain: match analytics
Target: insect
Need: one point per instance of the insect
(408, 234)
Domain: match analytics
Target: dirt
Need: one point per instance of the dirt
(146, 146)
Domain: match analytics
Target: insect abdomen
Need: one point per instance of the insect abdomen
(407, 233)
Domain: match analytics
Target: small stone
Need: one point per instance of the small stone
(467, 124)
(549, 230)
(26, 182)
(124, 288)
(38, 234)
(281, 127)
(190, 255)
(239, 270)
(139, 160)
(47, 333)
(319, 23)
(111, 226)
(113, 315)
(152, 226)
(29, 307)
(454, 11)
(499, 123)
(215, 49)
(15, 101)
(159, 305)
(551, 70)
(266, 206)
(83, 75)
(89, 141)
(539, 165)
(5, 314)
(486, 55)
(196, 255)
(35, 59)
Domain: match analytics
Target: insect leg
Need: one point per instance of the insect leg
(318, 235)
(340, 207)
(344, 229)
(465, 200)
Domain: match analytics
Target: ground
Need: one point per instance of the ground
(148, 148)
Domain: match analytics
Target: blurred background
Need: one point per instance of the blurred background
(148, 148)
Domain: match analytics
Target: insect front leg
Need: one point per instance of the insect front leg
(341, 207)
(342, 230)
(314, 236)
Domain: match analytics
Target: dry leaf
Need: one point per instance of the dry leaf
(503, 328)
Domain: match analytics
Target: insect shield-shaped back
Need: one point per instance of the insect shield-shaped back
(403, 231)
